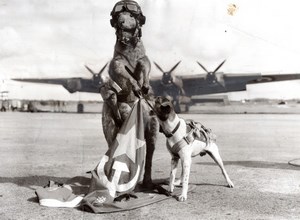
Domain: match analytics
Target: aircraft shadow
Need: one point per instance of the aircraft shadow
(255, 164)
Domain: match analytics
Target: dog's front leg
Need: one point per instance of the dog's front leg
(142, 71)
(174, 164)
(186, 162)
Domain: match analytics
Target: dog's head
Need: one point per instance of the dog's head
(127, 19)
(164, 108)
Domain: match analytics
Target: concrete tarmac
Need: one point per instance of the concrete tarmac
(255, 148)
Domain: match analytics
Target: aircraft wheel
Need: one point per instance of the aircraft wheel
(187, 108)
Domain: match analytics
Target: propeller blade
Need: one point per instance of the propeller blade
(103, 68)
(174, 67)
(202, 67)
(91, 71)
(219, 66)
(158, 67)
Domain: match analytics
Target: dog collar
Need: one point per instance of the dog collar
(168, 135)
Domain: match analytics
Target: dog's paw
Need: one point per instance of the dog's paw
(137, 93)
(181, 198)
(177, 182)
(145, 89)
(230, 184)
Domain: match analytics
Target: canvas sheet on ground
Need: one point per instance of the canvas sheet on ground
(72, 192)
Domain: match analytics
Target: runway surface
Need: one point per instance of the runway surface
(255, 148)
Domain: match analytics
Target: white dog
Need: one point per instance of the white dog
(185, 140)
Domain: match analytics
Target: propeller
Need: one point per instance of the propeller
(91, 71)
(174, 67)
(167, 76)
(97, 76)
(169, 79)
(202, 67)
(211, 76)
(103, 68)
(158, 67)
(221, 64)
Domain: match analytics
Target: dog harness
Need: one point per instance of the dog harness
(195, 131)
(168, 135)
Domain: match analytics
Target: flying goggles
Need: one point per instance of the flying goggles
(129, 6)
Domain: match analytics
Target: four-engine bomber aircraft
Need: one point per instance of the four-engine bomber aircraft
(183, 88)
(180, 88)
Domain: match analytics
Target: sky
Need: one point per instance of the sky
(55, 38)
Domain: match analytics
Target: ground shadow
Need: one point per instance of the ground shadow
(256, 164)
(165, 181)
(209, 184)
(33, 199)
(32, 182)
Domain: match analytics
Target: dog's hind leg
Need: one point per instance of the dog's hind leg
(110, 128)
(213, 151)
(174, 165)
(150, 137)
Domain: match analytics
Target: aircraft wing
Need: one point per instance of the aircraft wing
(198, 85)
(276, 77)
(192, 84)
(70, 84)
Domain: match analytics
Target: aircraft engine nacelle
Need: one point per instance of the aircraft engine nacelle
(178, 82)
(73, 85)
(220, 79)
